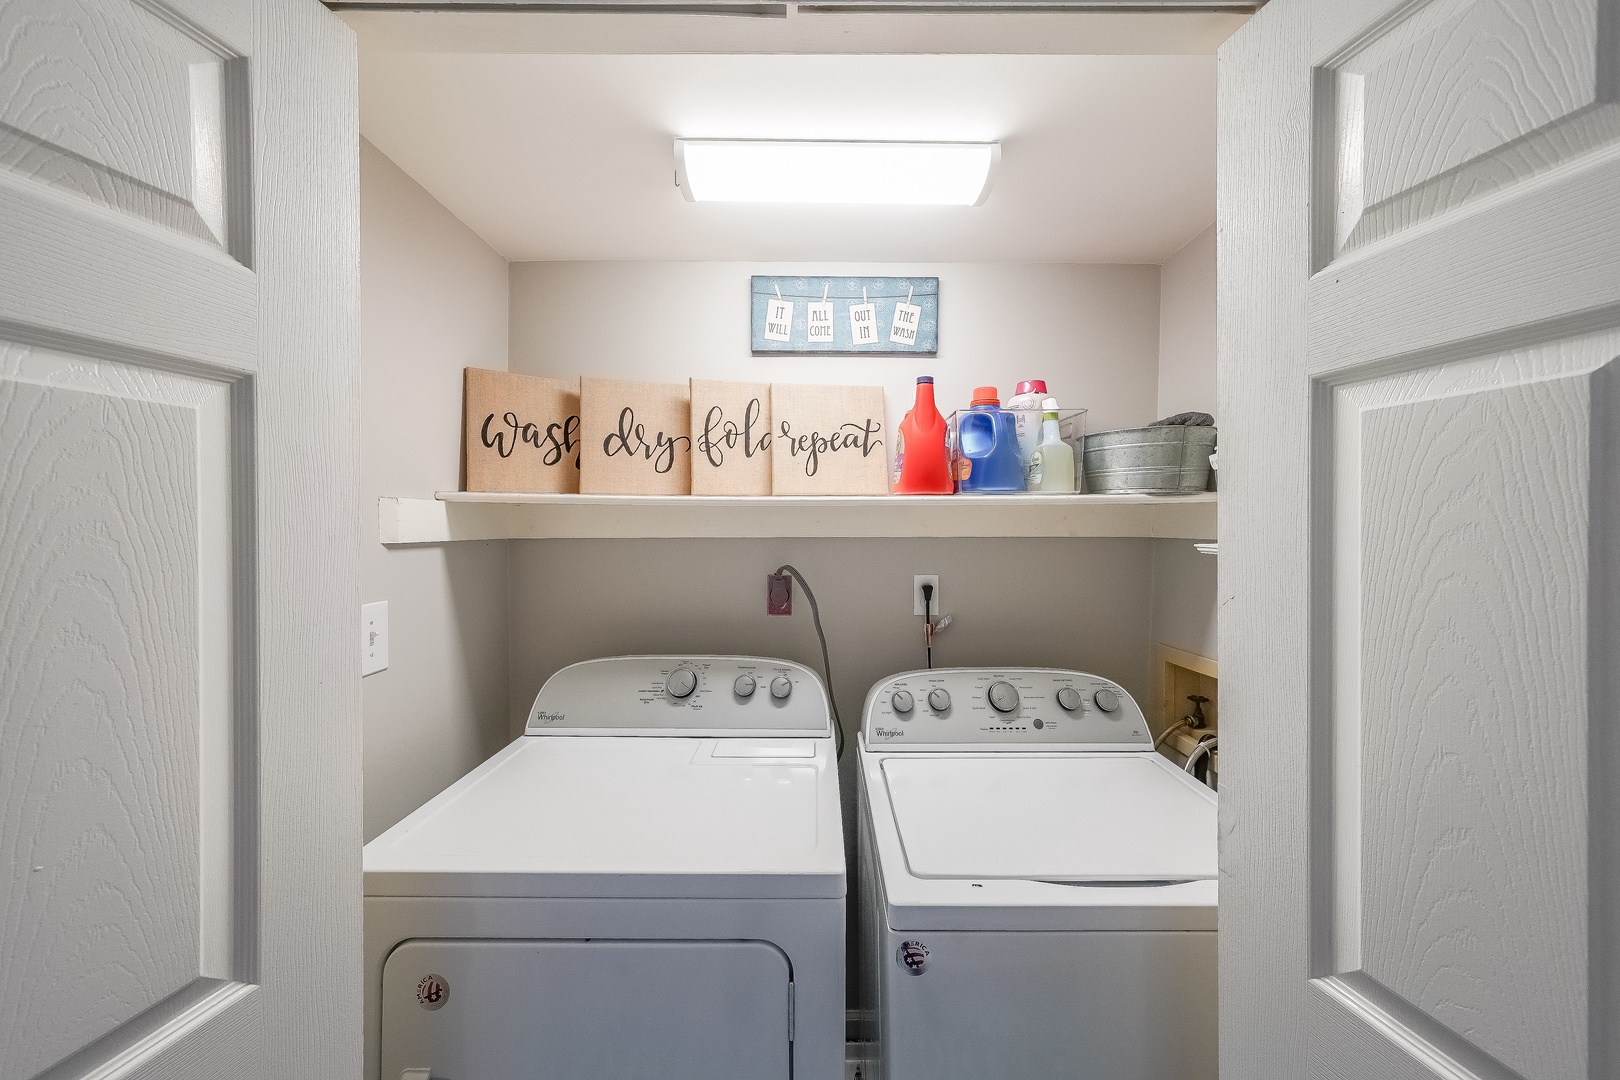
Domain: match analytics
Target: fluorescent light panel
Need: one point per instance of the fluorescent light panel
(870, 173)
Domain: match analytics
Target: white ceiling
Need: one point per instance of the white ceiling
(1106, 158)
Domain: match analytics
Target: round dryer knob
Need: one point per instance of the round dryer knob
(1003, 697)
(744, 686)
(938, 699)
(1106, 700)
(1068, 698)
(682, 681)
(900, 701)
(781, 687)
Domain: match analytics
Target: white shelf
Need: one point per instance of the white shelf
(465, 515)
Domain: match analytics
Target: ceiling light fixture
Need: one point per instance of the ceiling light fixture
(846, 173)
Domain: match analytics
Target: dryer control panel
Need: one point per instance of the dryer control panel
(682, 695)
(1024, 708)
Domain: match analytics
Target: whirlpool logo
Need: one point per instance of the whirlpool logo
(888, 733)
(550, 717)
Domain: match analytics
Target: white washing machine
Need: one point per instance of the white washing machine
(648, 884)
(1038, 884)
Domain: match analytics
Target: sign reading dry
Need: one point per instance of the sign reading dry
(731, 438)
(520, 432)
(828, 440)
(635, 438)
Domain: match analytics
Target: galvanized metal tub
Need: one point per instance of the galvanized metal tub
(1149, 460)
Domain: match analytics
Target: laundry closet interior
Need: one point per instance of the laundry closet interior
(519, 212)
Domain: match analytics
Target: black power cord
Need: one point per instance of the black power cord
(928, 622)
(826, 664)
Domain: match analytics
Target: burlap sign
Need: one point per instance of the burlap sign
(828, 440)
(731, 438)
(520, 432)
(634, 438)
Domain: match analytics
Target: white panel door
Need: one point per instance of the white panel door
(1420, 488)
(179, 758)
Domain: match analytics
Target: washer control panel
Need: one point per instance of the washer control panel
(1026, 708)
(682, 695)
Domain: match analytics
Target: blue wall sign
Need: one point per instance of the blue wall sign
(844, 316)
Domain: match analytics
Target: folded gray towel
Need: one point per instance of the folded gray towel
(1186, 419)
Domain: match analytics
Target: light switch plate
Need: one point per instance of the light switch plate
(373, 637)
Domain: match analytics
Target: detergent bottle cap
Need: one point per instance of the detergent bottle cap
(1032, 386)
(985, 395)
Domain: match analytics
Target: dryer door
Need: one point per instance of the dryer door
(560, 1010)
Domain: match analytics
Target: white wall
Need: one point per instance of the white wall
(1090, 331)
(434, 299)
(1184, 596)
(1187, 328)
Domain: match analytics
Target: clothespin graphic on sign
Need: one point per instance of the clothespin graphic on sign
(825, 289)
(779, 292)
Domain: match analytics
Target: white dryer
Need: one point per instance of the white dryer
(648, 884)
(1037, 884)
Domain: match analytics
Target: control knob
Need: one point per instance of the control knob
(1003, 697)
(938, 699)
(682, 681)
(1106, 700)
(900, 701)
(744, 686)
(1068, 698)
(781, 687)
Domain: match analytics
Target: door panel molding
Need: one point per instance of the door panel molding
(138, 110)
(1443, 282)
(157, 1041)
(1451, 100)
(1397, 1040)
(99, 276)
(205, 874)
(1568, 377)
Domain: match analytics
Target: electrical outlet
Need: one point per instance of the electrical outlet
(373, 637)
(917, 605)
(778, 595)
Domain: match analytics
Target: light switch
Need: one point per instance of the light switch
(373, 637)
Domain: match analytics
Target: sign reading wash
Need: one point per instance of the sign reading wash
(844, 316)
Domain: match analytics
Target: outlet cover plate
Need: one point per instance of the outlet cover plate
(373, 637)
(778, 595)
(917, 607)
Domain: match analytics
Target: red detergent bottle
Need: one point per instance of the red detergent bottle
(921, 460)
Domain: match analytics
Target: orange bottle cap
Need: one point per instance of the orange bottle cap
(985, 395)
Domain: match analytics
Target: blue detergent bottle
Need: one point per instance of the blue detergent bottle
(987, 436)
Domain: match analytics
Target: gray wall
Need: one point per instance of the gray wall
(1187, 328)
(1065, 603)
(434, 300)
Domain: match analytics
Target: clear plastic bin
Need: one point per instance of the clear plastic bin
(1071, 427)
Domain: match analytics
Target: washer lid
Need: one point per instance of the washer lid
(1072, 817)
